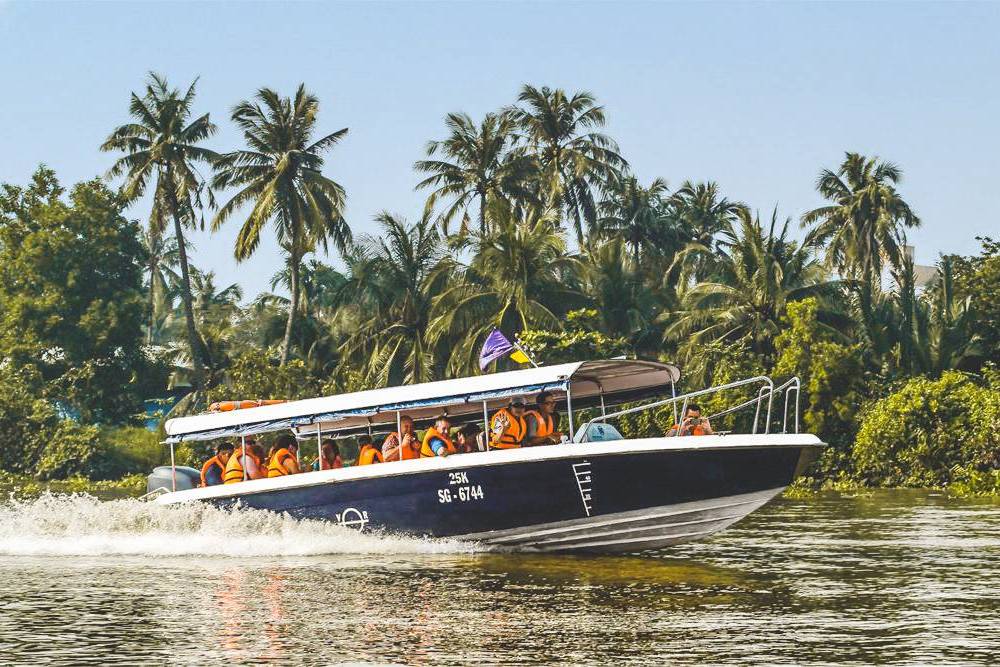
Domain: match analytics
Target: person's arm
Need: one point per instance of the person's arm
(253, 470)
(390, 448)
(292, 464)
(213, 476)
(707, 427)
(438, 447)
(531, 433)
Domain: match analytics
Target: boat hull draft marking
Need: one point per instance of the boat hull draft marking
(583, 482)
(649, 497)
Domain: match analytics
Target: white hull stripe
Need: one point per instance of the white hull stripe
(671, 525)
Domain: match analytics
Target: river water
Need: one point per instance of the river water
(891, 577)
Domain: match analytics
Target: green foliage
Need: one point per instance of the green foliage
(969, 482)
(70, 289)
(832, 374)
(977, 278)
(38, 442)
(252, 375)
(918, 435)
(579, 340)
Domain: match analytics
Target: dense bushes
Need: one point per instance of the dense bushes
(930, 432)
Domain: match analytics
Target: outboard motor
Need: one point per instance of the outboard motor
(162, 478)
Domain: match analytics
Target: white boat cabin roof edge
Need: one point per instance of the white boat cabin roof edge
(584, 379)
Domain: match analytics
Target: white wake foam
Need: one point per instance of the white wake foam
(81, 525)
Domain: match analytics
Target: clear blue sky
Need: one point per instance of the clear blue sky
(758, 97)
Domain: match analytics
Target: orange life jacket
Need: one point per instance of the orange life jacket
(506, 430)
(276, 466)
(697, 430)
(234, 467)
(409, 451)
(369, 455)
(425, 448)
(545, 425)
(214, 461)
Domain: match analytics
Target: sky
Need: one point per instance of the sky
(758, 97)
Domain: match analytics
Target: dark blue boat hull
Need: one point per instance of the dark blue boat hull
(510, 498)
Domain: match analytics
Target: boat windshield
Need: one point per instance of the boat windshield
(597, 432)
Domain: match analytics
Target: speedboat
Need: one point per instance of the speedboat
(596, 492)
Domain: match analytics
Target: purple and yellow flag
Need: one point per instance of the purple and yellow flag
(497, 346)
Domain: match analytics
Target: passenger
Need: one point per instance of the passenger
(692, 423)
(467, 438)
(543, 421)
(368, 453)
(284, 460)
(252, 463)
(410, 447)
(507, 428)
(215, 467)
(437, 442)
(329, 456)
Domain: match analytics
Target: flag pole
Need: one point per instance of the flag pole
(525, 353)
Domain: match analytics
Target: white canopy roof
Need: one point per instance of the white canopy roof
(456, 397)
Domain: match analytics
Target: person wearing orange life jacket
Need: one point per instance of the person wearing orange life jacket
(251, 465)
(467, 438)
(507, 427)
(692, 423)
(284, 461)
(542, 421)
(329, 456)
(437, 442)
(214, 468)
(368, 454)
(396, 448)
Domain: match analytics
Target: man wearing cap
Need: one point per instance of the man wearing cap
(508, 428)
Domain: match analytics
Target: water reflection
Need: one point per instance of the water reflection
(886, 578)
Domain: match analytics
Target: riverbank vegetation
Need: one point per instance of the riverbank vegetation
(534, 223)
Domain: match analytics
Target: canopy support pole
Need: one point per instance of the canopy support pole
(173, 468)
(569, 410)
(486, 428)
(319, 447)
(604, 410)
(243, 461)
(673, 395)
(399, 433)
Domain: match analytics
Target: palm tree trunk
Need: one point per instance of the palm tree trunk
(482, 213)
(293, 307)
(152, 302)
(194, 343)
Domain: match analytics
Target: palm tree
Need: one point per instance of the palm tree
(756, 274)
(213, 305)
(636, 215)
(320, 289)
(477, 166)
(864, 225)
(701, 215)
(574, 158)
(280, 177)
(626, 305)
(163, 256)
(394, 278)
(162, 144)
(519, 277)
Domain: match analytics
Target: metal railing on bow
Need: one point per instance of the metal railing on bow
(767, 391)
